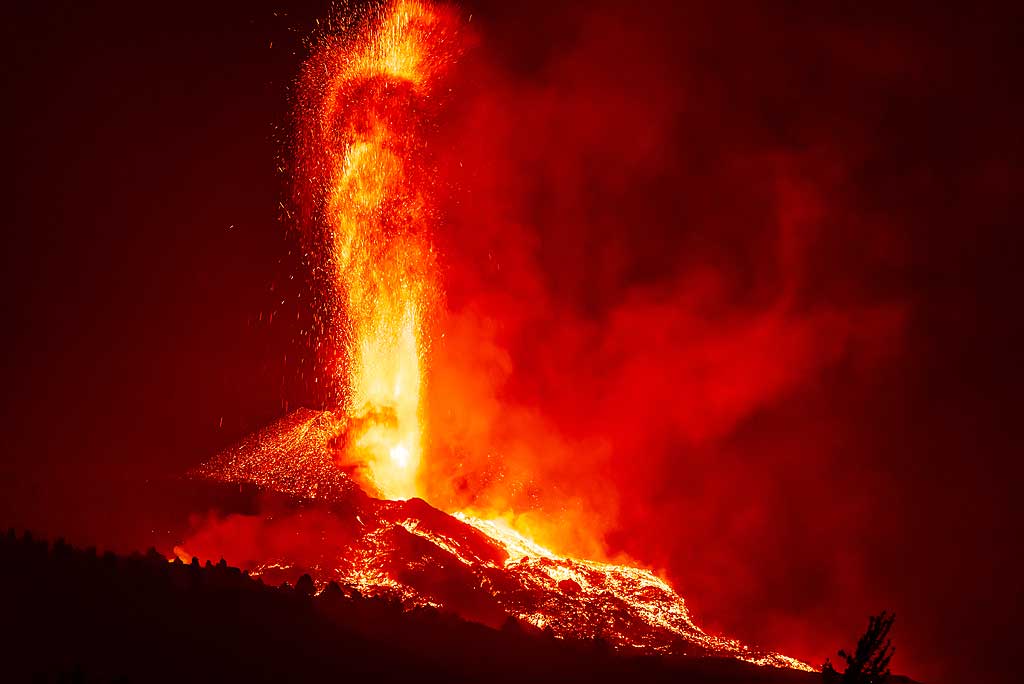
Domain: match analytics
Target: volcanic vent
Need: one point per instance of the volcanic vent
(344, 481)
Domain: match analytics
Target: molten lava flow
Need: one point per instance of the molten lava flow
(481, 569)
(364, 106)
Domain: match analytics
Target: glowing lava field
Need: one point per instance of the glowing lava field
(482, 570)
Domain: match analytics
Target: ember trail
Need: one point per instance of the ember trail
(366, 104)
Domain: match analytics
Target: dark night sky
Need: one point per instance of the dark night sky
(145, 255)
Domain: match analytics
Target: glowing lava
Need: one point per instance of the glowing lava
(481, 569)
(363, 183)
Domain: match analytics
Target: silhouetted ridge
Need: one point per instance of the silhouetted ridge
(139, 618)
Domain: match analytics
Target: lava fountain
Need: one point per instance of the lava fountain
(363, 188)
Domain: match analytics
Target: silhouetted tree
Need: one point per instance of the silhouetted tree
(511, 625)
(869, 663)
(332, 595)
(305, 586)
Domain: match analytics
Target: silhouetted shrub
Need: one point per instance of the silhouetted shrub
(869, 663)
(305, 587)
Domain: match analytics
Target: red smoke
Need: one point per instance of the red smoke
(661, 315)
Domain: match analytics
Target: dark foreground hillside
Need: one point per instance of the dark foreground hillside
(73, 615)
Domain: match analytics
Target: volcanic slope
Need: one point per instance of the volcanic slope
(480, 569)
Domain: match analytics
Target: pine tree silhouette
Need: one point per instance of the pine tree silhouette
(869, 663)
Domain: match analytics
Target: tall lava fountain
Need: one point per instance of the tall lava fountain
(363, 185)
